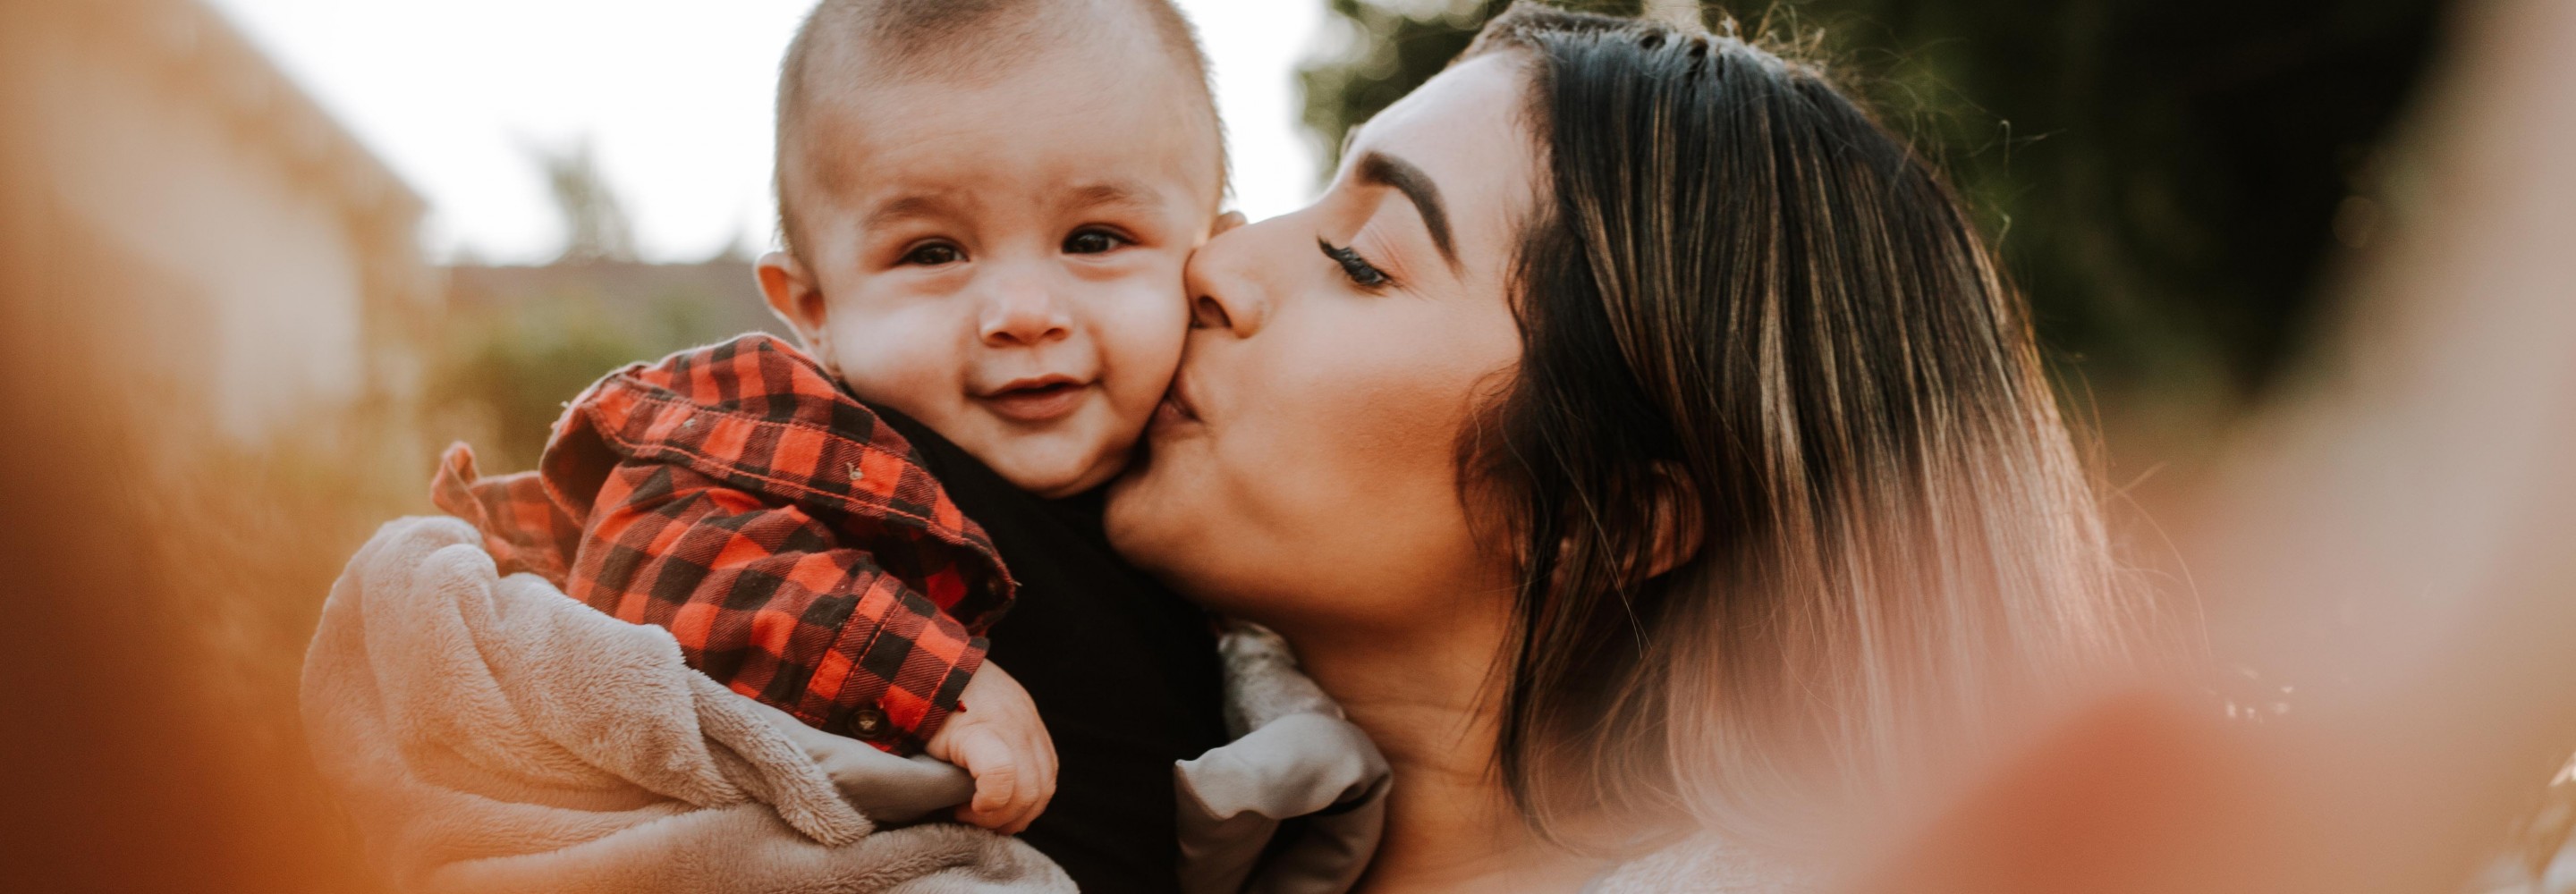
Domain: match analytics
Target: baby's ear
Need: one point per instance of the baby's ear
(794, 297)
(1224, 222)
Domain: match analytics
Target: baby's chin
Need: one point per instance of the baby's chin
(1058, 470)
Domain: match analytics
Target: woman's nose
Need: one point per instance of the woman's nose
(1225, 288)
(1023, 312)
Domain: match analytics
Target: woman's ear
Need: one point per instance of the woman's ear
(794, 296)
(1679, 526)
(1681, 522)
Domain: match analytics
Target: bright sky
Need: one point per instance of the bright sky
(674, 96)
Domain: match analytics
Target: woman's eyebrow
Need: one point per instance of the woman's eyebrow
(1382, 169)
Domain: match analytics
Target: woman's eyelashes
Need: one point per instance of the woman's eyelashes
(1361, 272)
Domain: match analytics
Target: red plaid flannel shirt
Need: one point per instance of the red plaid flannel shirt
(786, 536)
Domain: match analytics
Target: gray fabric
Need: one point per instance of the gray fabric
(1262, 682)
(491, 734)
(1294, 757)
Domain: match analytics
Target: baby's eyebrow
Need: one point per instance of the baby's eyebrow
(1112, 192)
(905, 208)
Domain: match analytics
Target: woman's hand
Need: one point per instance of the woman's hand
(997, 737)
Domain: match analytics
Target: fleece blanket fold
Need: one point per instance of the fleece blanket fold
(1297, 802)
(492, 734)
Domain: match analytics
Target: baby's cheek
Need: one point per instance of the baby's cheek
(901, 363)
(1141, 334)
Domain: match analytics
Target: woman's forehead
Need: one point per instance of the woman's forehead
(1465, 130)
(1466, 107)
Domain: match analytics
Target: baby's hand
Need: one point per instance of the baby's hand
(996, 736)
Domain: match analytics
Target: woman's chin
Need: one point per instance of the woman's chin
(1159, 516)
(1140, 507)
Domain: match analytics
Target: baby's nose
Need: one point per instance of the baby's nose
(1024, 314)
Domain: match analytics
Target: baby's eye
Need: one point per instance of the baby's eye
(933, 254)
(1092, 242)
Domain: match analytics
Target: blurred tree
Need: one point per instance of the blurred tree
(595, 223)
(2169, 179)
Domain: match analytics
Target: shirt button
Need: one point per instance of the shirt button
(868, 722)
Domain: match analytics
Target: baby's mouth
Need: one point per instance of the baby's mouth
(1037, 399)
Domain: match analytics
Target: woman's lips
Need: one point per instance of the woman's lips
(1175, 410)
(1037, 400)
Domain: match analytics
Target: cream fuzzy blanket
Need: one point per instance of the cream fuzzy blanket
(490, 734)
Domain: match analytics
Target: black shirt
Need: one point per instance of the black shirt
(1123, 671)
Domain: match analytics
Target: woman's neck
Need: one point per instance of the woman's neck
(1450, 827)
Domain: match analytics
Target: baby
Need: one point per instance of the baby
(986, 207)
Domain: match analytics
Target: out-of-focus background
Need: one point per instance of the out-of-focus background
(263, 257)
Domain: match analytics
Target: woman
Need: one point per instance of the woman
(1634, 437)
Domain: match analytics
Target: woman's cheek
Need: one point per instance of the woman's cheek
(1404, 380)
(1355, 453)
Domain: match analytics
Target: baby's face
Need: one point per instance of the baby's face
(1003, 261)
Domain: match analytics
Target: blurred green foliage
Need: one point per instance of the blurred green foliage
(521, 368)
(520, 342)
(2169, 180)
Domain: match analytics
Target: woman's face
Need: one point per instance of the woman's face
(1305, 468)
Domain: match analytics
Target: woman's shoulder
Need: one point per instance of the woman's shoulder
(1703, 864)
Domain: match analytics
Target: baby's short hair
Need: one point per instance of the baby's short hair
(845, 43)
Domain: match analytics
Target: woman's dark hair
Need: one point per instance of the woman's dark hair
(1781, 469)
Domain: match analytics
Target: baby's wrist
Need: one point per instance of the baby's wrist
(951, 699)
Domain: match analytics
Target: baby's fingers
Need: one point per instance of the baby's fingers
(1037, 788)
(1000, 784)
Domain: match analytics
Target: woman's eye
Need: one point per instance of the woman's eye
(1361, 272)
(933, 255)
(1092, 242)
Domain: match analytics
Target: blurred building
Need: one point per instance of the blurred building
(239, 252)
